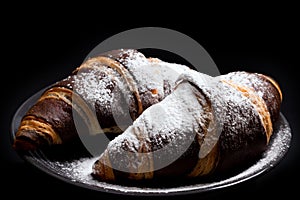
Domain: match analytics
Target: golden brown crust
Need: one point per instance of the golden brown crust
(207, 164)
(104, 169)
(259, 106)
(42, 128)
(264, 86)
(274, 83)
(34, 131)
(121, 70)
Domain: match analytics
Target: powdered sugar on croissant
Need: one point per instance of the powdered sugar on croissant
(206, 125)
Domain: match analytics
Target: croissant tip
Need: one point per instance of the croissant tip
(275, 84)
(24, 145)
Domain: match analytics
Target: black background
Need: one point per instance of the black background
(42, 45)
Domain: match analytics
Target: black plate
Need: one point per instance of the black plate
(77, 170)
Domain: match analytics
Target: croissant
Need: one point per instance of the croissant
(207, 125)
(106, 93)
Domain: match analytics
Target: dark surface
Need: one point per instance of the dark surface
(37, 54)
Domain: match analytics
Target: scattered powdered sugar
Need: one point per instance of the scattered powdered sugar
(133, 59)
(79, 171)
(253, 81)
(92, 88)
(277, 148)
(151, 74)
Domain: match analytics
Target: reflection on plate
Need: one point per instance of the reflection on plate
(77, 170)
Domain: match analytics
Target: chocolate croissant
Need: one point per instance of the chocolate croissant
(207, 125)
(104, 94)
